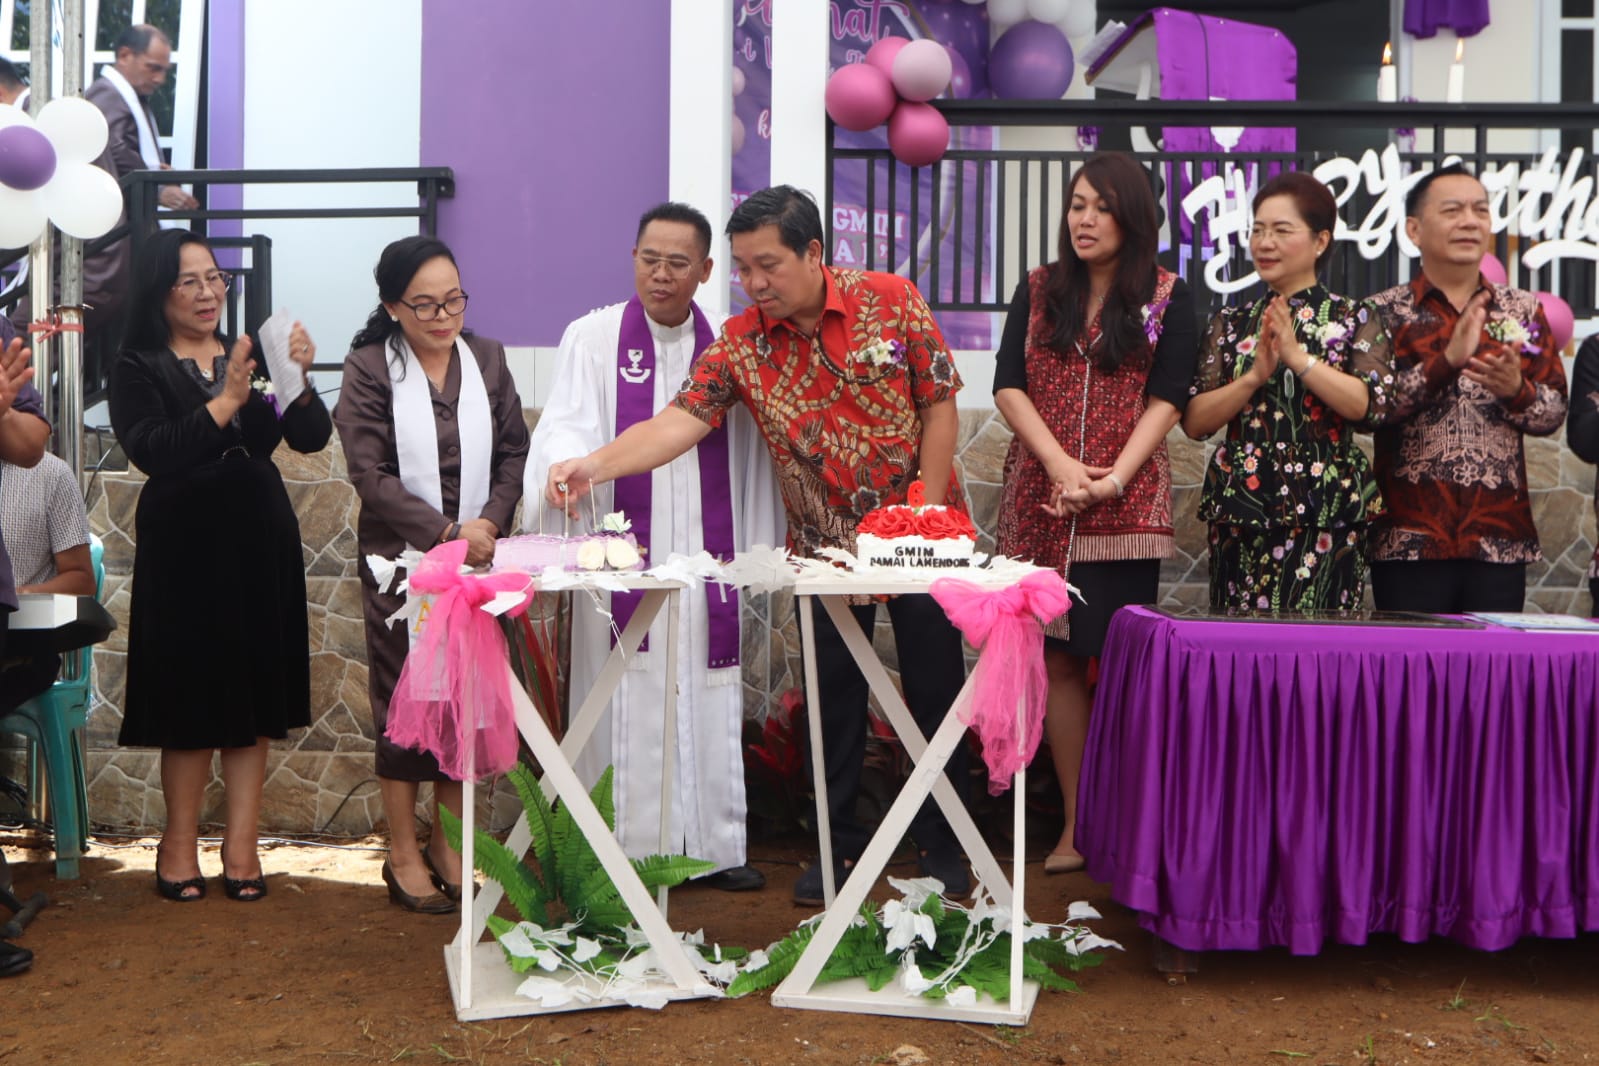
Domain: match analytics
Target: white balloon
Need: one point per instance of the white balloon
(1006, 12)
(1080, 19)
(83, 200)
(11, 115)
(22, 217)
(75, 127)
(1051, 11)
(974, 3)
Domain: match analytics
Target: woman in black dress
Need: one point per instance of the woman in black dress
(218, 651)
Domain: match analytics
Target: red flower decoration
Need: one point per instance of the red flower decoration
(1252, 481)
(918, 494)
(888, 523)
(944, 524)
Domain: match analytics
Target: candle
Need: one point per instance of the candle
(1387, 77)
(1456, 93)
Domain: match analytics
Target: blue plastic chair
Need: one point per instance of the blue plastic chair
(55, 721)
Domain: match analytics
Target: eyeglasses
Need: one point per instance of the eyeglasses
(428, 310)
(1281, 233)
(191, 285)
(678, 266)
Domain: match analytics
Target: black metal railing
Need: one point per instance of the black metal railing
(250, 299)
(968, 227)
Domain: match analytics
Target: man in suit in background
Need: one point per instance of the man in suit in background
(122, 93)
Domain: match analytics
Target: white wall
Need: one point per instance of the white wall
(331, 85)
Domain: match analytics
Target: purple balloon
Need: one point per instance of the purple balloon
(960, 77)
(963, 29)
(27, 158)
(1031, 61)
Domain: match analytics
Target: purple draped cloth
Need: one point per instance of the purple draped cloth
(1424, 18)
(1255, 785)
(1199, 59)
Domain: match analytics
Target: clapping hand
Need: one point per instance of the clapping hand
(1467, 337)
(236, 386)
(14, 372)
(1278, 329)
(1497, 370)
(1269, 345)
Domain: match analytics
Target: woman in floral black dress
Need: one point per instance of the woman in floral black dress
(1287, 493)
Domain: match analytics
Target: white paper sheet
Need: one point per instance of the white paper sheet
(288, 381)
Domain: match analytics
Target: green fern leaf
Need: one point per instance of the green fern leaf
(604, 798)
(669, 871)
(497, 862)
(574, 859)
(600, 916)
(1045, 975)
(780, 960)
(539, 817)
(882, 977)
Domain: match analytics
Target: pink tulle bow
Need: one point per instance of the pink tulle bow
(1005, 626)
(453, 696)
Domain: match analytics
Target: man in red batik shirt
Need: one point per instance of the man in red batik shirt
(853, 389)
(1475, 370)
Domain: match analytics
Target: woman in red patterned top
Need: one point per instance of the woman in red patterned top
(1092, 372)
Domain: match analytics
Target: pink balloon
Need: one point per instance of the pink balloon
(1493, 270)
(738, 135)
(917, 134)
(881, 54)
(922, 70)
(740, 80)
(859, 97)
(1562, 323)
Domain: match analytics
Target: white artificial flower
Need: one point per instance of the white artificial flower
(905, 926)
(964, 996)
(1086, 941)
(517, 943)
(550, 993)
(917, 890)
(911, 977)
(1081, 911)
(615, 522)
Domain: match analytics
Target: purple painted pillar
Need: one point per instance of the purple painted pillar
(225, 114)
(555, 118)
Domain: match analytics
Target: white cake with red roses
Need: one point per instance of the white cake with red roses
(914, 536)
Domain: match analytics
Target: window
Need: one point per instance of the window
(176, 103)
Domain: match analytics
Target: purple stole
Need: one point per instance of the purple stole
(635, 402)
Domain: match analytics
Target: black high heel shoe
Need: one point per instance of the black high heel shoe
(237, 887)
(451, 892)
(432, 904)
(174, 890)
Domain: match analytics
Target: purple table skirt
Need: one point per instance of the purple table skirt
(1250, 785)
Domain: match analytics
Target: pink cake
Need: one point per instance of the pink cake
(533, 552)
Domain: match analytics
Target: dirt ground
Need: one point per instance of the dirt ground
(325, 970)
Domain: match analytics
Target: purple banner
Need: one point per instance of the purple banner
(884, 241)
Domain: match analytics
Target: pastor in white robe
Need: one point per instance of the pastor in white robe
(708, 810)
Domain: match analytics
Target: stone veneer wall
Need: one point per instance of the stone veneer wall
(321, 779)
